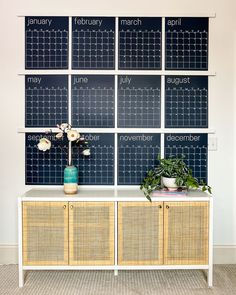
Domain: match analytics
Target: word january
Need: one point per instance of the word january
(88, 22)
(39, 21)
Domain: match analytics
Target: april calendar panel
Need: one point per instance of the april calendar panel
(93, 99)
(186, 41)
(46, 42)
(193, 148)
(186, 102)
(139, 101)
(44, 167)
(140, 43)
(137, 153)
(46, 100)
(93, 43)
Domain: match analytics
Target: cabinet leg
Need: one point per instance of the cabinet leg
(21, 278)
(116, 272)
(210, 277)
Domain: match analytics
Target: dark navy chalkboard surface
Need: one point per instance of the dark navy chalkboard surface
(186, 102)
(139, 101)
(93, 101)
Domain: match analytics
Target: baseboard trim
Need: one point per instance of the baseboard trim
(222, 254)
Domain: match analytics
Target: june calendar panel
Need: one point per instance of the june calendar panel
(93, 43)
(46, 100)
(186, 102)
(46, 42)
(140, 43)
(186, 42)
(137, 154)
(93, 99)
(139, 101)
(193, 148)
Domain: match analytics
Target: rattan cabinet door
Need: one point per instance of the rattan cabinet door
(186, 233)
(140, 233)
(45, 233)
(91, 233)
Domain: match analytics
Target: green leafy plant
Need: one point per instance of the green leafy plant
(172, 168)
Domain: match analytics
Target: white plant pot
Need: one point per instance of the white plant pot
(170, 183)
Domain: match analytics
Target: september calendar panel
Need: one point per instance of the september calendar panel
(186, 102)
(137, 153)
(139, 101)
(140, 43)
(46, 100)
(186, 43)
(193, 148)
(93, 43)
(93, 101)
(46, 42)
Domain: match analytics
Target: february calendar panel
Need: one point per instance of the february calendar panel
(137, 153)
(140, 43)
(98, 168)
(93, 99)
(46, 42)
(186, 43)
(186, 102)
(44, 168)
(139, 101)
(193, 148)
(93, 43)
(46, 100)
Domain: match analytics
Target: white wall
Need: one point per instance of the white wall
(222, 94)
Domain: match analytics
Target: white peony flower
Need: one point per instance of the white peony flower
(59, 135)
(64, 126)
(73, 135)
(44, 144)
(86, 152)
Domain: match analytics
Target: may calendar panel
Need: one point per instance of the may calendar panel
(46, 100)
(139, 101)
(193, 148)
(186, 42)
(186, 102)
(137, 154)
(46, 42)
(93, 99)
(93, 43)
(140, 43)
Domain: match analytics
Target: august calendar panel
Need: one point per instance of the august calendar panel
(140, 43)
(93, 43)
(193, 148)
(186, 42)
(137, 153)
(139, 101)
(46, 42)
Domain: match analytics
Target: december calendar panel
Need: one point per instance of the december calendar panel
(193, 148)
(137, 154)
(93, 43)
(140, 43)
(46, 42)
(186, 42)
(93, 99)
(46, 100)
(186, 102)
(139, 101)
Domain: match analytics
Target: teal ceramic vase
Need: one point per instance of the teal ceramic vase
(70, 180)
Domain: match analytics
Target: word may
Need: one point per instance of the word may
(35, 80)
(174, 22)
(39, 21)
(88, 22)
(136, 137)
(183, 138)
(80, 80)
(131, 22)
(177, 81)
(125, 80)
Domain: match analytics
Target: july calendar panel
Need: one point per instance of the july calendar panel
(140, 43)
(139, 101)
(93, 43)
(46, 42)
(186, 40)
(193, 148)
(137, 154)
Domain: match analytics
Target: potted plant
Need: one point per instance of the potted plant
(172, 173)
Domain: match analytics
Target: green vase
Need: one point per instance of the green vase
(70, 180)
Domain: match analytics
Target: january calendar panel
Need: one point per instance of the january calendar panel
(193, 148)
(139, 101)
(93, 99)
(44, 168)
(98, 168)
(186, 40)
(137, 154)
(186, 102)
(46, 42)
(46, 100)
(93, 43)
(140, 43)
